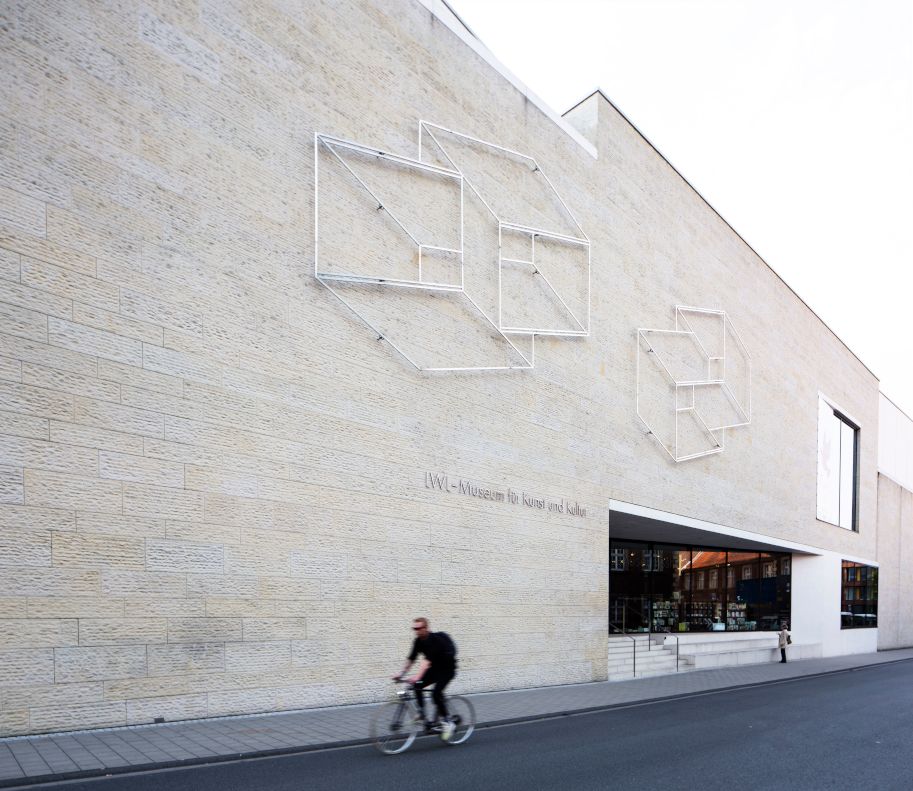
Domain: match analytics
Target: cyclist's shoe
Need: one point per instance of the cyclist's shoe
(447, 729)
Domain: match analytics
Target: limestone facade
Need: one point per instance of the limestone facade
(217, 486)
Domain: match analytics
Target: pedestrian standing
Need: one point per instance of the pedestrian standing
(784, 641)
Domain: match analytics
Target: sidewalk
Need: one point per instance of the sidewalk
(26, 760)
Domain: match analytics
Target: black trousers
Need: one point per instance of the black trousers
(782, 654)
(440, 677)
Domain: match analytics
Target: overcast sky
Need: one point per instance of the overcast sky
(794, 119)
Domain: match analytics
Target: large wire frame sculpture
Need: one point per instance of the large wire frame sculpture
(333, 280)
(685, 389)
(580, 328)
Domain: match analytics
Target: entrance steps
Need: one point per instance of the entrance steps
(651, 658)
(729, 649)
(697, 651)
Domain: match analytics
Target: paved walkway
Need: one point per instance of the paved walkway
(27, 760)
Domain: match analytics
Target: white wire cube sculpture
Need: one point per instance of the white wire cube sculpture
(693, 382)
(417, 249)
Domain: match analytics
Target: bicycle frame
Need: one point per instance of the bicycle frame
(395, 725)
(408, 705)
(409, 700)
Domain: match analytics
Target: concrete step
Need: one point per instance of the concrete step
(621, 646)
(655, 663)
(653, 658)
(638, 638)
(754, 656)
(627, 649)
(697, 652)
(721, 645)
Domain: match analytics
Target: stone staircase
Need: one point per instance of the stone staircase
(697, 651)
(651, 658)
(728, 649)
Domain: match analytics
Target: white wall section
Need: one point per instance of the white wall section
(895, 443)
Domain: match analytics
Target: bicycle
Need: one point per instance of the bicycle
(397, 723)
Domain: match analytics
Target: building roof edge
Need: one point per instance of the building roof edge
(728, 225)
(894, 404)
(442, 11)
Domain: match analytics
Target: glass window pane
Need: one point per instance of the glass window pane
(743, 612)
(669, 595)
(695, 590)
(828, 464)
(859, 596)
(706, 611)
(629, 589)
(847, 470)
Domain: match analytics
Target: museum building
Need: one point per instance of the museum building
(313, 319)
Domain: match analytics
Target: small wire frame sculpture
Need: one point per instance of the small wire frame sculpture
(714, 351)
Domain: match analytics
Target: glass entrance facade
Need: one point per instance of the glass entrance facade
(664, 588)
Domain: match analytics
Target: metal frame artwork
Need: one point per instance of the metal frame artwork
(649, 341)
(335, 146)
(583, 329)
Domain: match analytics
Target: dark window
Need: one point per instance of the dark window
(859, 596)
(663, 588)
(617, 559)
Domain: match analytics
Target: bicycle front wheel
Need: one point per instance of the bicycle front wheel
(393, 729)
(463, 715)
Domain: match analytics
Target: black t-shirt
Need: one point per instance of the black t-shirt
(437, 648)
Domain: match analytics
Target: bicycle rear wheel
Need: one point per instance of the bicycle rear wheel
(393, 729)
(463, 715)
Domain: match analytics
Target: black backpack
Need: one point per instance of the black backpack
(449, 647)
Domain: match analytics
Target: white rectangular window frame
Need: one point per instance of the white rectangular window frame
(838, 465)
(617, 559)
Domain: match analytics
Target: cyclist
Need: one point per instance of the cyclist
(438, 667)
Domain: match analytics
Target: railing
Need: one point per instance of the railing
(649, 646)
(624, 609)
(633, 646)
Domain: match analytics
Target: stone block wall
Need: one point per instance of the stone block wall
(213, 481)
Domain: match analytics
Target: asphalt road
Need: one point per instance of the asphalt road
(850, 730)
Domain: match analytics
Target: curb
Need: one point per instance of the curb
(34, 780)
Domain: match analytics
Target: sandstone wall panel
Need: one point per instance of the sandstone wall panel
(211, 474)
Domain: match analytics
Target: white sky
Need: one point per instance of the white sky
(794, 120)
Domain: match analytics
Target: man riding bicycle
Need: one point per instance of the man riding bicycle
(438, 667)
